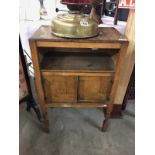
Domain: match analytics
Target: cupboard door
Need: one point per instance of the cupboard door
(94, 89)
(60, 88)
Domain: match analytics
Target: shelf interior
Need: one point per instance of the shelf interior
(73, 61)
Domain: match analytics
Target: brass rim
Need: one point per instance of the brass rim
(74, 37)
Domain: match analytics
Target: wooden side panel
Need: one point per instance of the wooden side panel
(94, 89)
(119, 66)
(60, 88)
(129, 60)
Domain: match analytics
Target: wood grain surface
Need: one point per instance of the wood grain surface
(71, 77)
(78, 63)
(107, 34)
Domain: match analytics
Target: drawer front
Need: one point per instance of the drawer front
(94, 89)
(60, 88)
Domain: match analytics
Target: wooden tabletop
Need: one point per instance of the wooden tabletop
(107, 34)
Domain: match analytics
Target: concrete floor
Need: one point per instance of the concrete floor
(77, 132)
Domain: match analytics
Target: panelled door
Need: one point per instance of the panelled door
(73, 89)
(94, 89)
(60, 88)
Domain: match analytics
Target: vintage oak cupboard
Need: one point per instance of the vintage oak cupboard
(79, 73)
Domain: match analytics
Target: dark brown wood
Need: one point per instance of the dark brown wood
(106, 35)
(72, 62)
(116, 13)
(116, 111)
(78, 45)
(103, 7)
(86, 50)
(106, 119)
(126, 97)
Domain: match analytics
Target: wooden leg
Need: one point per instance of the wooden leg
(94, 15)
(103, 8)
(116, 13)
(106, 119)
(45, 123)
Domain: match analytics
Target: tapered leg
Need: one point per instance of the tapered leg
(45, 122)
(38, 84)
(106, 119)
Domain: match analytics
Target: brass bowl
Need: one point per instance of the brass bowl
(74, 25)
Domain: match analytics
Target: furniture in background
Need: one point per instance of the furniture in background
(110, 8)
(23, 91)
(24, 84)
(78, 73)
(116, 13)
(125, 5)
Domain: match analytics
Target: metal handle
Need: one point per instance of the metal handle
(57, 10)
